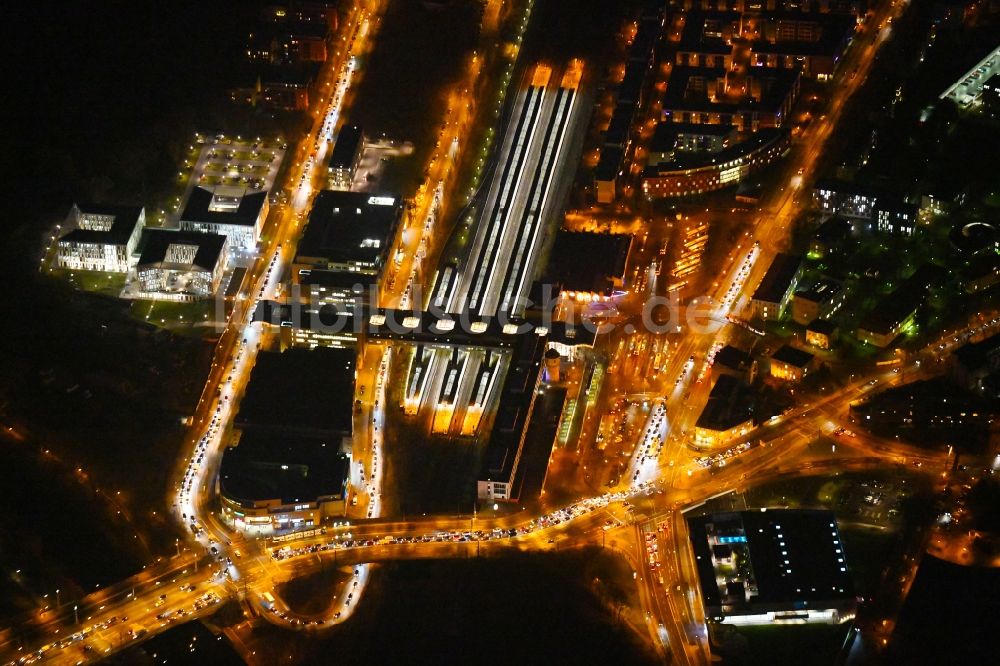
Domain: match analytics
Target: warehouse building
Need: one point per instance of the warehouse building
(772, 566)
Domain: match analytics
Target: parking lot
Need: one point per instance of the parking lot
(235, 162)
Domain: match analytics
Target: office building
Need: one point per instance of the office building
(181, 265)
(346, 157)
(345, 247)
(843, 198)
(772, 566)
(100, 238)
(232, 212)
(895, 217)
(775, 289)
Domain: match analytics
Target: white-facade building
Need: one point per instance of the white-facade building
(101, 238)
(228, 211)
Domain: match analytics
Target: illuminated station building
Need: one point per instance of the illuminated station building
(772, 566)
(289, 464)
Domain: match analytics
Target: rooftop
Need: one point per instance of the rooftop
(156, 247)
(224, 206)
(300, 391)
(729, 404)
(349, 139)
(733, 358)
(125, 219)
(792, 356)
(821, 292)
(794, 560)
(822, 326)
(588, 262)
(346, 227)
(285, 467)
(778, 278)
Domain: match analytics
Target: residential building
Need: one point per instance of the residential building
(895, 217)
(733, 361)
(775, 289)
(691, 174)
(896, 313)
(811, 41)
(100, 238)
(833, 231)
(791, 364)
(672, 139)
(181, 265)
(822, 333)
(821, 300)
(727, 415)
(233, 212)
(713, 95)
(346, 157)
(777, 566)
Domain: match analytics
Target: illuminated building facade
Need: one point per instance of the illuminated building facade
(181, 265)
(101, 238)
(232, 212)
(691, 175)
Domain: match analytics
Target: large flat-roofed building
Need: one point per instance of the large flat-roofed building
(728, 414)
(772, 566)
(290, 465)
(283, 481)
(181, 265)
(299, 391)
(346, 156)
(346, 244)
(101, 238)
(969, 87)
(772, 295)
(232, 212)
(587, 266)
